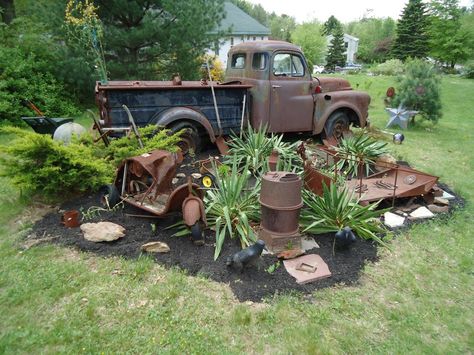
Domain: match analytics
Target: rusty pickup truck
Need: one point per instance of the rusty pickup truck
(268, 82)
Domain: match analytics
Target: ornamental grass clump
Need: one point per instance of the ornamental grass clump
(336, 209)
(358, 150)
(232, 206)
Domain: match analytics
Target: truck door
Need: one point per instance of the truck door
(291, 99)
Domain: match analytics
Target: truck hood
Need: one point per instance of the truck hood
(333, 84)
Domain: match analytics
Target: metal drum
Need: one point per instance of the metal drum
(281, 202)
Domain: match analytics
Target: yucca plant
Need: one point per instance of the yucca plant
(231, 206)
(257, 146)
(355, 151)
(336, 209)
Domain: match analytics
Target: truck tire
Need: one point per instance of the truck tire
(336, 124)
(190, 139)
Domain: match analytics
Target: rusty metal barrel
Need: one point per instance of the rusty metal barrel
(281, 202)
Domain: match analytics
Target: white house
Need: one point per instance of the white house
(352, 45)
(243, 28)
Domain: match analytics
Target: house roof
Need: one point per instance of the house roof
(240, 23)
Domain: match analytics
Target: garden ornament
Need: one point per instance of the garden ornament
(345, 237)
(244, 257)
(398, 138)
(399, 116)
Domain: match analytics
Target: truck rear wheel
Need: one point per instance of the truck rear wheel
(190, 139)
(336, 124)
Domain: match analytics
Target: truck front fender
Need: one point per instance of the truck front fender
(176, 114)
(354, 103)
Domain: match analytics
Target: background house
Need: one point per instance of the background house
(352, 44)
(243, 28)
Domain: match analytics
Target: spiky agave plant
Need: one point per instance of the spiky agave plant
(256, 145)
(231, 206)
(358, 150)
(336, 209)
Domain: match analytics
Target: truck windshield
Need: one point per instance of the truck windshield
(286, 64)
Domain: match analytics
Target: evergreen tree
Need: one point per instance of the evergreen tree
(412, 32)
(151, 39)
(336, 51)
(330, 26)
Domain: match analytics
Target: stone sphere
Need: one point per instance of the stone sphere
(65, 132)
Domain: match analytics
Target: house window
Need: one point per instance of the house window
(259, 61)
(248, 38)
(286, 64)
(346, 44)
(261, 38)
(231, 41)
(254, 38)
(238, 61)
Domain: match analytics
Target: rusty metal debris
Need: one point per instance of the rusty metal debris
(281, 202)
(145, 182)
(390, 182)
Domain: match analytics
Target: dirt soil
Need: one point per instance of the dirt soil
(253, 284)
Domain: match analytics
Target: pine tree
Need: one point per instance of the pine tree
(412, 32)
(336, 51)
(330, 26)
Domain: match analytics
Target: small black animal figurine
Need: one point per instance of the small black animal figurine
(398, 138)
(345, 237)
(244, 257)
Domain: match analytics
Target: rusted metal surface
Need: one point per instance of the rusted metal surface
(395, 182)
(285, 103)
(145, 182)
(390, 182)
(281, 202)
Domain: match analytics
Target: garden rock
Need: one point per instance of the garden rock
(181, 175)
(156, 247)
(290, 254)
(196, 175)
(392, 220)
(421, 213)
(441, 201)
(102, 231)
(308, 243)
(448, 196)
(174, 181)
(438, 209)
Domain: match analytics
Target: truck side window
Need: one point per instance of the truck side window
(259, 61)
(238, 61)
(286, 64)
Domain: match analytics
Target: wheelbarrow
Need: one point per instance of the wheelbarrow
(145, 182)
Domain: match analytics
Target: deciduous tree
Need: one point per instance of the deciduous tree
(308, 37)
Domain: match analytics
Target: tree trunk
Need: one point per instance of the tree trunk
(8, 13)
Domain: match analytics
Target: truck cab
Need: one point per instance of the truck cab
(286, 98)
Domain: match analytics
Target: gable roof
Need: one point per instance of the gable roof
(240, 23)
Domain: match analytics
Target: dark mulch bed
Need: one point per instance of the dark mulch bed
(253, 284)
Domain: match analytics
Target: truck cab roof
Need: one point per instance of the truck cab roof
(264, 46)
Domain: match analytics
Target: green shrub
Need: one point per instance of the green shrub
(152, 138)
(469, 70)
(337, 209)
(357, 150)
(231, 206)
(419, 89)
(36, 163)
(390, 67)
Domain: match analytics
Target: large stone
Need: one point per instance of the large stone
(393, 220)
(156, 247)
(307, 268)
(102, 231)
(421, 213)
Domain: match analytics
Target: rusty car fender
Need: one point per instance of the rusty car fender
(330, 102)
(177, 114)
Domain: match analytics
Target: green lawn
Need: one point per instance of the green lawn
(417, 299)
